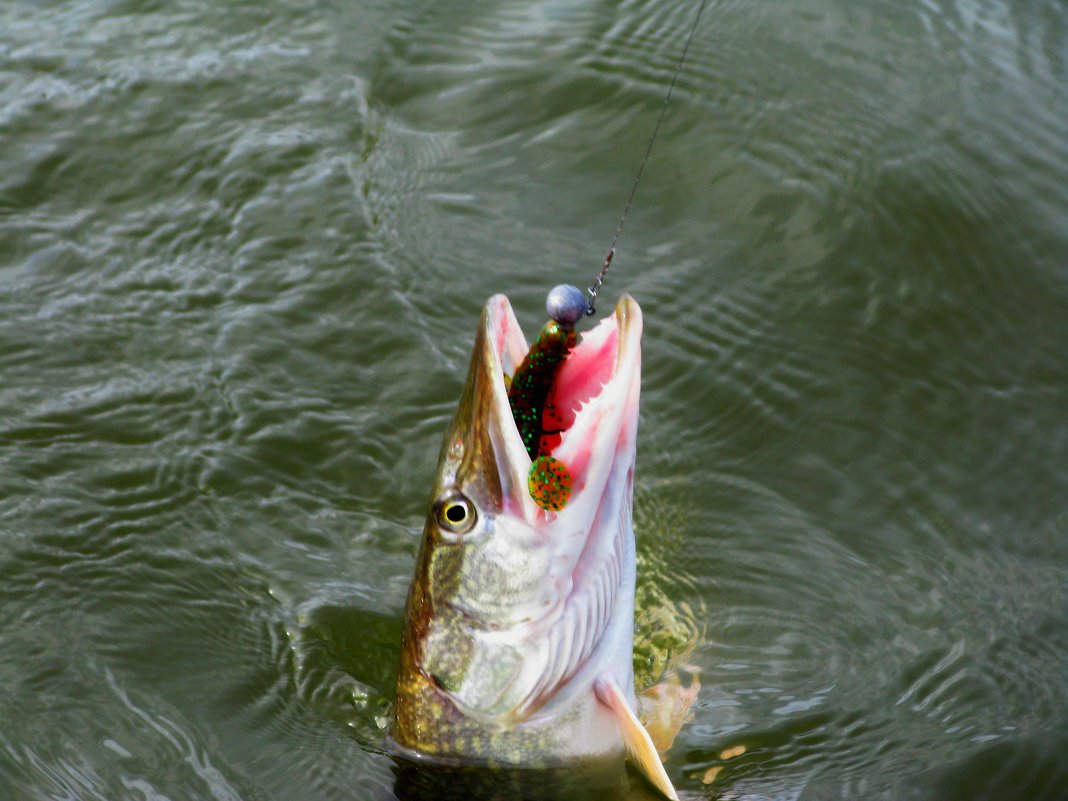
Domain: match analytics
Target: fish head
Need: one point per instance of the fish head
(514, 610)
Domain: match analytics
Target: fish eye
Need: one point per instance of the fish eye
(455, 513)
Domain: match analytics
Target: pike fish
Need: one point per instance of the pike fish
(519, 625)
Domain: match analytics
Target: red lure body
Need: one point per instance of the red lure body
(538, 421)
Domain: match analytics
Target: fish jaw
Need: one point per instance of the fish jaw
(512, 618)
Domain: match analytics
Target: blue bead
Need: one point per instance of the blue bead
(566, 304)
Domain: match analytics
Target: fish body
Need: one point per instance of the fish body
(518, 638)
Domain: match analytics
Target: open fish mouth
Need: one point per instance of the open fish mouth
(529, 605)
(595, 398)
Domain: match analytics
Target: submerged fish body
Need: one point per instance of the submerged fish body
(518, 639)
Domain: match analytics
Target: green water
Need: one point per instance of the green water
(243, 249)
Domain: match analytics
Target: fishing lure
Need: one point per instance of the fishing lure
(549, 480)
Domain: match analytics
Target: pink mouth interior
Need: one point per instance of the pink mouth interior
(582, 376)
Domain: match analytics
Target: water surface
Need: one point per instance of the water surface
(243, 249)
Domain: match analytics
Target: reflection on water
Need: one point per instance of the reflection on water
(597, 782)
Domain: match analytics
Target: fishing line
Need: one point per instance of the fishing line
(591, 291)
(531, 388)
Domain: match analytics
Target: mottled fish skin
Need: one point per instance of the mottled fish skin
(510, 621)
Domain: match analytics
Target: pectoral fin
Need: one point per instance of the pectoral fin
(639, 744)
(664, 707)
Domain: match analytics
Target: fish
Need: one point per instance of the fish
(519, 624)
